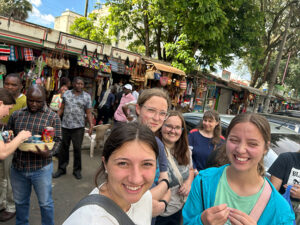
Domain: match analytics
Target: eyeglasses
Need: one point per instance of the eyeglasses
(152, 112)
(170, 127)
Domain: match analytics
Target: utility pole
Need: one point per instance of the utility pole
(86, 7)
(278, 59)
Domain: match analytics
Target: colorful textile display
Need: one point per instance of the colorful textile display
(28, 54)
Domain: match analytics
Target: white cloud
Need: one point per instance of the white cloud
(36, 3)
(43, 19)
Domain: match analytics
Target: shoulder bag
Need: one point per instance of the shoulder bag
(83, 59)
(177, 201)
(94, 61)
(110, 206)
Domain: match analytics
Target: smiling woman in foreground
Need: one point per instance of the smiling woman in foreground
(238, 193)
(128, 164)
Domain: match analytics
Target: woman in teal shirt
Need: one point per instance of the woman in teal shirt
(228, 195)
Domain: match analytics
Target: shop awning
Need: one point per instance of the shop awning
(234, 86)
(166, 68)
(254, 90)
(239, 87)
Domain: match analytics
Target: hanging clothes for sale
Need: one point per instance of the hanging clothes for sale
(4, 49)
(12, 56)
(28, 54)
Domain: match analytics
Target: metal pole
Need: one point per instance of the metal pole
(86, 7)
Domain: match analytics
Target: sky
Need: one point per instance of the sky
(44, 11)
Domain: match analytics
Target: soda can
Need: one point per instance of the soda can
(48, 134)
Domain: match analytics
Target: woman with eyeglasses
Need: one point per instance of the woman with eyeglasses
(152, 110)
(205, 139)
(180, 169)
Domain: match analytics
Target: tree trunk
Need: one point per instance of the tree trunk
(147, 33)
(264, 79)
(158, 40)
(275, 71)
(164, 54)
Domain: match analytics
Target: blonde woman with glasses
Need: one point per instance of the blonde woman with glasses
(152, 110)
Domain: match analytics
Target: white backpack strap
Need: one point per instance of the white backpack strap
(261, 202)
(173, 165)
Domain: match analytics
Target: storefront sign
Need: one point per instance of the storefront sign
(76, 44)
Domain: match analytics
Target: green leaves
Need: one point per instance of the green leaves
(92, 28)
(18, 9)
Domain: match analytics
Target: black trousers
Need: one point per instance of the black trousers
(103, 114)
(76, 136)
(173, 219)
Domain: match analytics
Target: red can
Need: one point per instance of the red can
(48, 134)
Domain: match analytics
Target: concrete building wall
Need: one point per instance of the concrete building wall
(63, 23)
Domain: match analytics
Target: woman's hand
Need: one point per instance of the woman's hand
(216, 215)
(238, 217)
(295, 190)
(185, 189)
(24, 135)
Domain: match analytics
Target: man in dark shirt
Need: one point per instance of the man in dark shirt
(105, 108)
(34, 168)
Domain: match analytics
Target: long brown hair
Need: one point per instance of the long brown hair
(181, 148)
(263, 126)
(212, 114)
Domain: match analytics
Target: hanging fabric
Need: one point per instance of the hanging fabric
(3, 58)
(28, 54)
(12, 56)
(4, 49)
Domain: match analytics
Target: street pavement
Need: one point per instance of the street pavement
(67, 190)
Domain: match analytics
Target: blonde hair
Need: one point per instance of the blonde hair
(148, 93)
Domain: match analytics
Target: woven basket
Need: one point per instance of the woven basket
(31, 146)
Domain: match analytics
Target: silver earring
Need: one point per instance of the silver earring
(105, 170)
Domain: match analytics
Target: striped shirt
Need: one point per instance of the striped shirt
(34, 122)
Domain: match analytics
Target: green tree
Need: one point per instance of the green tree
(292, 78)
(186, 33)
(217, 31)
(202, 31)
(17, 9)
(92, 27)
(275, 13)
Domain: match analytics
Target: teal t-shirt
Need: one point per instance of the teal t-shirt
(226, 195)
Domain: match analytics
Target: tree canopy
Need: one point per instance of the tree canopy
(92, 27)
(17, 9)
(200, 33)
(275, 13)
